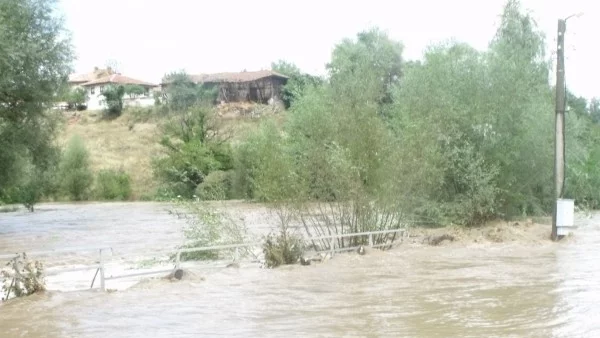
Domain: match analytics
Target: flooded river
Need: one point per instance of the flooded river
(499, 290)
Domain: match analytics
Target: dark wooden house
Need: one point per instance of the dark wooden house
(261, 86)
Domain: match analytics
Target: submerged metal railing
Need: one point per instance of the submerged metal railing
(101, 268)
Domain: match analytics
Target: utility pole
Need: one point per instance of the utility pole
(559, 140)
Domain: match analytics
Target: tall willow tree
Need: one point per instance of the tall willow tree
(484, 120)
(35, 56)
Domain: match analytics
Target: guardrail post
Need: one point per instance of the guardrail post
(102, 281)
(371, 240)
(332, 245)
(237, 255)
(177, 260)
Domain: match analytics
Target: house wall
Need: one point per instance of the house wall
(96, 100)
(261, 90)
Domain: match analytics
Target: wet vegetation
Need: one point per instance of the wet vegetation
(460, 136)
(285, 245)
(23, 277)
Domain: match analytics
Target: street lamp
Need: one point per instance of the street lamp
(559, 141)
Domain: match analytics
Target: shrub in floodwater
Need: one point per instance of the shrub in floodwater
(216, 186)
(76, 175)
(113, 185)
(26, 277)
(207, 226)
(284, 247)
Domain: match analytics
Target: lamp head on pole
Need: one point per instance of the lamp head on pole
(578, 15)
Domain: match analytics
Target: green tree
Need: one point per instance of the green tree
(336, 154)
(134, 91)
(577, 105)
(594, 109)
(194, 147)
(297, 81)
(366, 68)
(113, 185)
(76, 175)
(77, 98)
(182, 93)
(35, 55)
(482, 120)
(113, 97)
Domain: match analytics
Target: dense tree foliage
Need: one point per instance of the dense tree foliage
(460, 136)
(77, 98)
(367, 68)
(75, 176)
(182, 93)
(194, 147)
(134, 91)
(35, 56)
(113, 98)
(297, 81)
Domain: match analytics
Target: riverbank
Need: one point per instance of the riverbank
(123, 223)
(523, 232)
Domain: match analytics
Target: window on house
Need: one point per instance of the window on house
(92, 90)
(101, 89)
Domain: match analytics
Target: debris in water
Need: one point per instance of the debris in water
(361, 250)
(436, 240)
(177, 274)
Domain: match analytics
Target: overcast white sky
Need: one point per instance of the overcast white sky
(151, 37)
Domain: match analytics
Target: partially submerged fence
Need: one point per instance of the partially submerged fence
(100, 265)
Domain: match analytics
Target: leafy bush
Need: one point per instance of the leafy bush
(113, 185)
(133, 91)
(26, 277)
(77, 98)
(261, 166)
(206, 226)
(216, 186)
(284, 247)
(31, 191)
(113, 98)
(583, 153)
(76, 175)
(297, 81)
(182, 93)
(194, 147)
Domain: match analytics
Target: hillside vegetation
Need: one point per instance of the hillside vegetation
(131, 141)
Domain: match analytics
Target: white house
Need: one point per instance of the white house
(95, 82)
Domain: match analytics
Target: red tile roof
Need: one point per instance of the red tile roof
(80, 78)
(119, 79)
(235, 77)
(87, 77)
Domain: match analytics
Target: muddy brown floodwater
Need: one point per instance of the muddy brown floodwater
(478, 290)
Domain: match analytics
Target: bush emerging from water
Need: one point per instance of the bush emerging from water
(26, 277)
(284, 247)
(76, 175)
(113, 185)
(215, 187)
(207, 226)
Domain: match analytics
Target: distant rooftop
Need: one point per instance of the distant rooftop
(118, 79)
(87, 77)
(244, 76)
(107, 75)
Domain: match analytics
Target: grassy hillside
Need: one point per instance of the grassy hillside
(127, 143)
